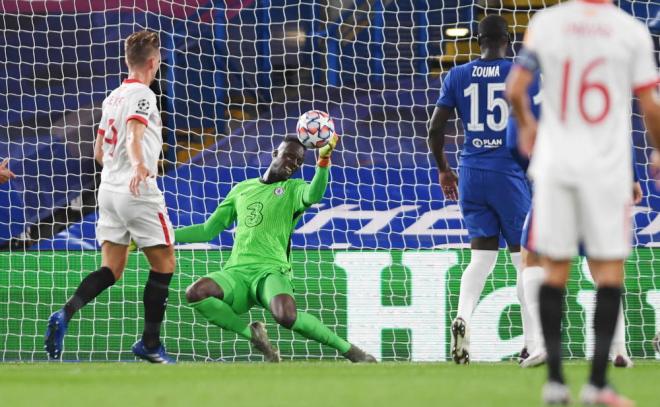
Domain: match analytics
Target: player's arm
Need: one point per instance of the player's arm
(315, 190)
(220, 220)
(637, 193)
(436, 128)
(98, 144)
(517, 92)
(98, 147)
(134, 149)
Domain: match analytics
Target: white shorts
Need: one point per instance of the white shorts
(596, 215)
(123, 217)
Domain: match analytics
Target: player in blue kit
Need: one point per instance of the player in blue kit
(533, 273)
(492, 190)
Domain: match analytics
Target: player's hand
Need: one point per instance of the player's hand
(527, 138)
(655, 165)
(637, 193)
(5, 173)
(326, 150)
(140, 174)
(449, 184)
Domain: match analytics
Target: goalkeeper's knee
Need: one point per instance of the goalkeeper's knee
(203, 289)
(283, 308)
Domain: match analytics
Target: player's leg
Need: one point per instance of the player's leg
(533, 276)
(150, 228)
(618, 351)
(275, 292)
(607, 244)
(554, 234)
(218, 297)
(114, 238)
(509, 196)
(154, 298)
(482, 225)
(113, 263)
(551, 298)
(221, 297)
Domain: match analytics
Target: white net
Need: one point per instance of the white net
(379, 260)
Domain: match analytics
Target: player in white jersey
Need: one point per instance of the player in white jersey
(131, 206)
(592, 56)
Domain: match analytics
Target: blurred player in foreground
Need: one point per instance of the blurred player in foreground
(533, 274)
(258, 271)
(492, 189)
(131, 206)
(591, 55)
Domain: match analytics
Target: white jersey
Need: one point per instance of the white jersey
(592, 56)
(131, 101)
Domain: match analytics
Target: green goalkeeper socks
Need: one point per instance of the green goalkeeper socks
(219, 313)
(311, 328)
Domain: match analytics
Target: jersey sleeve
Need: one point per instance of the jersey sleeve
(220, 220)
(528, 57)
(644, 70)
(103, 124)
(306, 195)
(447, 97)
(141, 105)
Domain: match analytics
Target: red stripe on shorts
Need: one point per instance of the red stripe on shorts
(531, 244)
(166, 232)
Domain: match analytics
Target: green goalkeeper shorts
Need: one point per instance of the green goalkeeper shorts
(245, 287)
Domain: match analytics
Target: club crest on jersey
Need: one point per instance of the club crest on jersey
(278, 191)
(486, 143)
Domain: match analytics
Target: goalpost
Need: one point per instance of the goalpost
(379, 260)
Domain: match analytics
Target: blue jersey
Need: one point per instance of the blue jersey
(476, 91)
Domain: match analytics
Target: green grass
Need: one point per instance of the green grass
(295, 384)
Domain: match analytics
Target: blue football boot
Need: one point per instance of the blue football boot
(54, 339)
(155, 355)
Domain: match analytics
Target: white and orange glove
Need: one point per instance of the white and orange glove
(326, 151)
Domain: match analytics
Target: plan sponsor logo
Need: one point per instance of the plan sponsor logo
(487, 143)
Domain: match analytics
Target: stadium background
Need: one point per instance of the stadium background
(235, 74)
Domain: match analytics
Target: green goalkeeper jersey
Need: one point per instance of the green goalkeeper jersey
(266, 216)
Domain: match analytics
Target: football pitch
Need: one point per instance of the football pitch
(293, 384)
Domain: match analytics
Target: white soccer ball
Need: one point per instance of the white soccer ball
(315, 128)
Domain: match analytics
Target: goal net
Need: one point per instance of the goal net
(379, 260)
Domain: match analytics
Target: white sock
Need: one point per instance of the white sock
(619, 339)
(473, 280)
(532, 278)
(516, 259)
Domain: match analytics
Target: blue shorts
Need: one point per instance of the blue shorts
(493, 203)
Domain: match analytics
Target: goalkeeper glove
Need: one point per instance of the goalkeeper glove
(326, 151)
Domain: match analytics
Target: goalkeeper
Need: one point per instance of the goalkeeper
(258, 271)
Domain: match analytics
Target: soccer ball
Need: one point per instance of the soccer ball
(315, 128)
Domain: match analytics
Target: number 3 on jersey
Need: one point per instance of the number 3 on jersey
(255, 216)
(494, 102)
(586, 87)
(111, 141)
